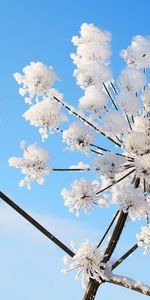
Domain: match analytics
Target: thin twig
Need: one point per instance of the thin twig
(71, 169)
(115, 236)
(129, 122)
(123, 257)
(106, 150)
(117, 181)
(36, 224)
(113, 87)
(130, 284)
(86, 121)
(106, 232)
(109, 95)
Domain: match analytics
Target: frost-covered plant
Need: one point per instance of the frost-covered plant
(78, 137)
(118, 110)
(89, 260)
(36, 81)
(144, 238)
(34, 164)
(83, 195)
(47, 116)
(131, 200)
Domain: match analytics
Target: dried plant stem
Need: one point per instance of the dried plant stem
(71, 169)
(93, 285)
(36, 224)
(123, 257)
(131, 284)
(106, 150)
(86, 121)
(110, 96)
(106, 232)
(117, 181)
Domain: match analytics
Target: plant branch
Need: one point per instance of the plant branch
(71, 169)
(36, 224)
(110, 96)
(86, 121)
(106, 150)
(113, 220)
(130, 284)
(123, 257)
(93, 285)
(117, 181)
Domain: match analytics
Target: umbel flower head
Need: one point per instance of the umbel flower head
(88, 259)
(83, 196)
(36, 81)
(47, 116)
(144, 238)
(131, 200)
(34, 164)
(78, 137)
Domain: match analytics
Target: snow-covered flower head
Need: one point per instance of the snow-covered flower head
(132, 79)
(128, 102)
(34, 164)
(91, 73)
(146, 97)
(78, 137)
(137, 141)
(46, 115)
(114, 123)
(144, 238)
(137, 55)
(93, 43)
(131, 200)
(93, 101)
(88, 259)
(36, 80)
(82, 196)
(109, 165)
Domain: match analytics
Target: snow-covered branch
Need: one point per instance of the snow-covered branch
(130, 284)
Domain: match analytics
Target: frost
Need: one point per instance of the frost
(93, 100)
(34, 164)
(78, 137)
(144, 238)
(132, 79)
(109, 165)
(138, 54)
(80, 165)
(36, 80)
(88, 259)
(83, 196)
(47, 116)
(130, 200)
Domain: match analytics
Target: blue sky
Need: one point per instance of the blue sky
(41, 31)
